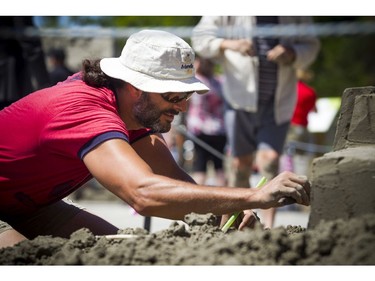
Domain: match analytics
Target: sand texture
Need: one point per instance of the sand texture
(338, 242)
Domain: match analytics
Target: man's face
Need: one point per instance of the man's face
(150, 115)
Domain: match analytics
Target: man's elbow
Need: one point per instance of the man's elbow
(143, 204)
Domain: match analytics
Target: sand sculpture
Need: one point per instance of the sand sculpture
(344, 180)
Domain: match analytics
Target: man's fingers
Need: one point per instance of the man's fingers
(290, 188)
(248, 220)
(286, 201)
(303, 187)
(307, 187)
(294, 193)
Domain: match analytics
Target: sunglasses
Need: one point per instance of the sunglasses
(176, 98)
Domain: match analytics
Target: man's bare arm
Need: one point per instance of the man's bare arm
(117, 166)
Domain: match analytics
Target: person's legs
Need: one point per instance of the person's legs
(221, 178)
(218, 142)
(270, 138)
(85, 219)
(199, 177)
(9, 236)
(267, 163)
(199, 173)
(241, 166)
(240, 128)
(61, 219)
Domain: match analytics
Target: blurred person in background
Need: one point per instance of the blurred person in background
(260, 87)
(22, 60)
(59, 70)
(297, 155)
(306, 103)
(205, 120)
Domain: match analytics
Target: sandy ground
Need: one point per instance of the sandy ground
(198, 241)
(122, 216)
(339, 242)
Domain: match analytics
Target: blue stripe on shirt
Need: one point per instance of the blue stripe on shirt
(100, 139)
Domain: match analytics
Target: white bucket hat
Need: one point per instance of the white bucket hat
(155, 61)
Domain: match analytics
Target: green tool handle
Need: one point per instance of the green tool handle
(233, 217)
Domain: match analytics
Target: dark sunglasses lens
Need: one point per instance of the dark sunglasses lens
(176, 99)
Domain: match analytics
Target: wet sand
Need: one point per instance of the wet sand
(338, 242)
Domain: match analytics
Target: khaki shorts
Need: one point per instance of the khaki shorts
(42, 222)
(248, 132)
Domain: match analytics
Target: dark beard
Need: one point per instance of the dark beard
(147, 114)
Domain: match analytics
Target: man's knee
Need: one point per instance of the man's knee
(243, 162)
(241, 178)
(241, 170)
(9, 236)
(270, 169)
(268, 163)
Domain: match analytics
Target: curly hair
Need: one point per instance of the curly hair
(93, 76)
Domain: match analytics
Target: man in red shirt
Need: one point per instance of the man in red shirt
(106, 122)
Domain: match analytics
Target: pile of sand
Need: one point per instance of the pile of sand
(339, 242)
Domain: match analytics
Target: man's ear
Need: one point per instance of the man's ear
(136, 93)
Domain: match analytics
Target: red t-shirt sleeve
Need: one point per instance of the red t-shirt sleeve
(84, 124)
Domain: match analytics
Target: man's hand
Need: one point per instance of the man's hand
(247, 218)
(281, 54)
(285, 189)
(243, 46)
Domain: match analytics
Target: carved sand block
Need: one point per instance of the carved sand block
(343, 181)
